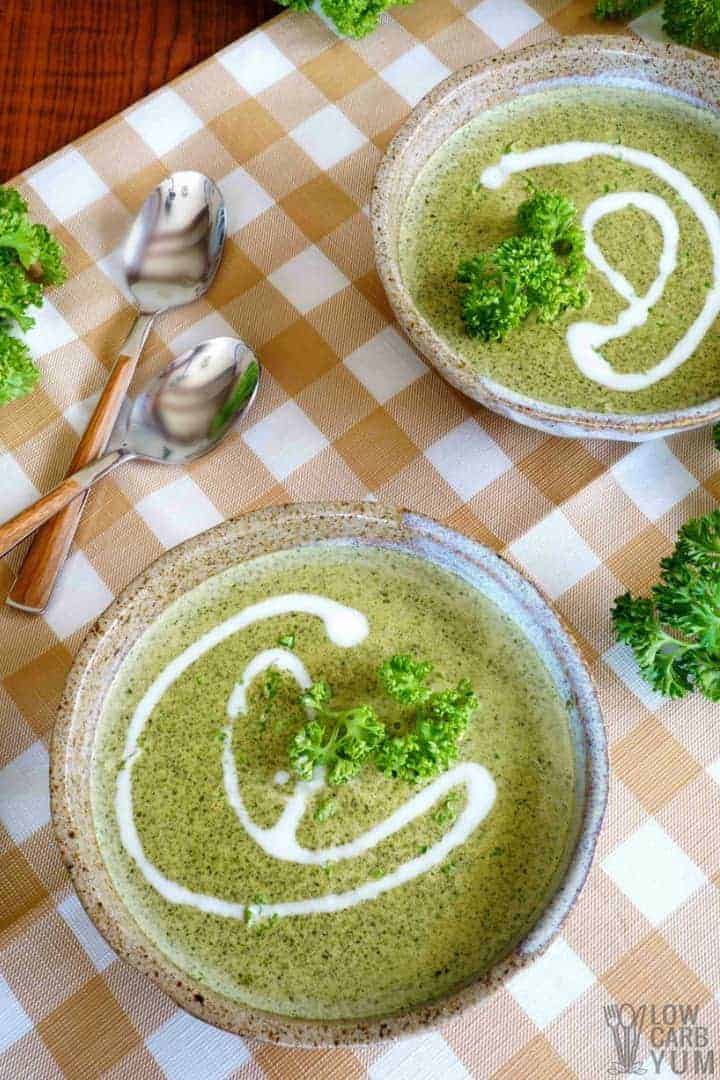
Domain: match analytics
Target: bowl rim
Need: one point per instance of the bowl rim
(106, 646)
(492, 394)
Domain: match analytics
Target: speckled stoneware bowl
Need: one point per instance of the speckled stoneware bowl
(571, 61)
(190, 564)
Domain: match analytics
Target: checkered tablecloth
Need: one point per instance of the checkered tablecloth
(292, 122)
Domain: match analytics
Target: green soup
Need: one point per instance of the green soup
(413, 942)
(451, 216)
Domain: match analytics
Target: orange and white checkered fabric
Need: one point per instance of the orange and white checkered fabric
(292, 122)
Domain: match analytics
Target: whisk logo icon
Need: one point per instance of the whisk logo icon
(625, 1023)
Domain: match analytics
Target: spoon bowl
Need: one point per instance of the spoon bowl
(181, 416)
(175, 244)
(191, 405)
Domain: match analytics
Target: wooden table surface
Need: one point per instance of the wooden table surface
(67, 65)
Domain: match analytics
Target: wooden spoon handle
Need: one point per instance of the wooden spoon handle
(47, 553)
(15, 530)
(65, 494)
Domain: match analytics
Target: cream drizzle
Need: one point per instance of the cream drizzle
(346, 627)
(585, 339)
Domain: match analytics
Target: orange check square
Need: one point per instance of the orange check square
(376, 449)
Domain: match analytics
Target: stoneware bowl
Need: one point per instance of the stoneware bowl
(190, 564)
(454, 102)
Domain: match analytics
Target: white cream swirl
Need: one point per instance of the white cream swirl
(345, 627)
(585, 339)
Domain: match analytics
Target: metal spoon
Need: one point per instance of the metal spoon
(170, 258)
(181, 416)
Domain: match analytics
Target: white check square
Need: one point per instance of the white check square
(649, 26)
(551, 983)
(505, 21)
(256, 63)
(113, 267)
(424, 1057)
(308, 279)
(94, 945)
(212, 325)
(385, 365)
(80, 596)
(468, 459)
(24, 799)
(163, 121)
(713, 770)
(185, 1049)
(285, 440)
(653, 478)
(50, 331)
(244, 198)
(620, 658)
(555, 554)
(328, 136)
(414, 73)
(14, 1021)
(653, 872)
(78, 415)
(16, 488)
(67, 184)
(178, 511)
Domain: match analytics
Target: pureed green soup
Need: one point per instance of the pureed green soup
(641, 204)
(201, 785)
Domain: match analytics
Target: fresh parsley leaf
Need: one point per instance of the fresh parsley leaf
(340, 741)
(18, 374)
(541, 269)
(30, 260)
(325, 810)
(675, 631)
(287, 641)
(620, 9)
(354, 18)
(404, 679)
(430, 745)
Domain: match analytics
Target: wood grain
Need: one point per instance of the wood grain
(67, 65)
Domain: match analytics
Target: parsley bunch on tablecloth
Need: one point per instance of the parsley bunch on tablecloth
(354, 18)
(674, 632)
(30, 259)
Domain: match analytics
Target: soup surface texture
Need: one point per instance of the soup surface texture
(215, 898)
(460, 206)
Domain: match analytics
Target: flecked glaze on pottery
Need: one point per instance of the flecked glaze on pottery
(190, 564)
(452, 104)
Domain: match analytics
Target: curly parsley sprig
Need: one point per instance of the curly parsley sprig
(541, 270)
(344, 741)
(675, 631)
(30, 260)
(356, 18)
